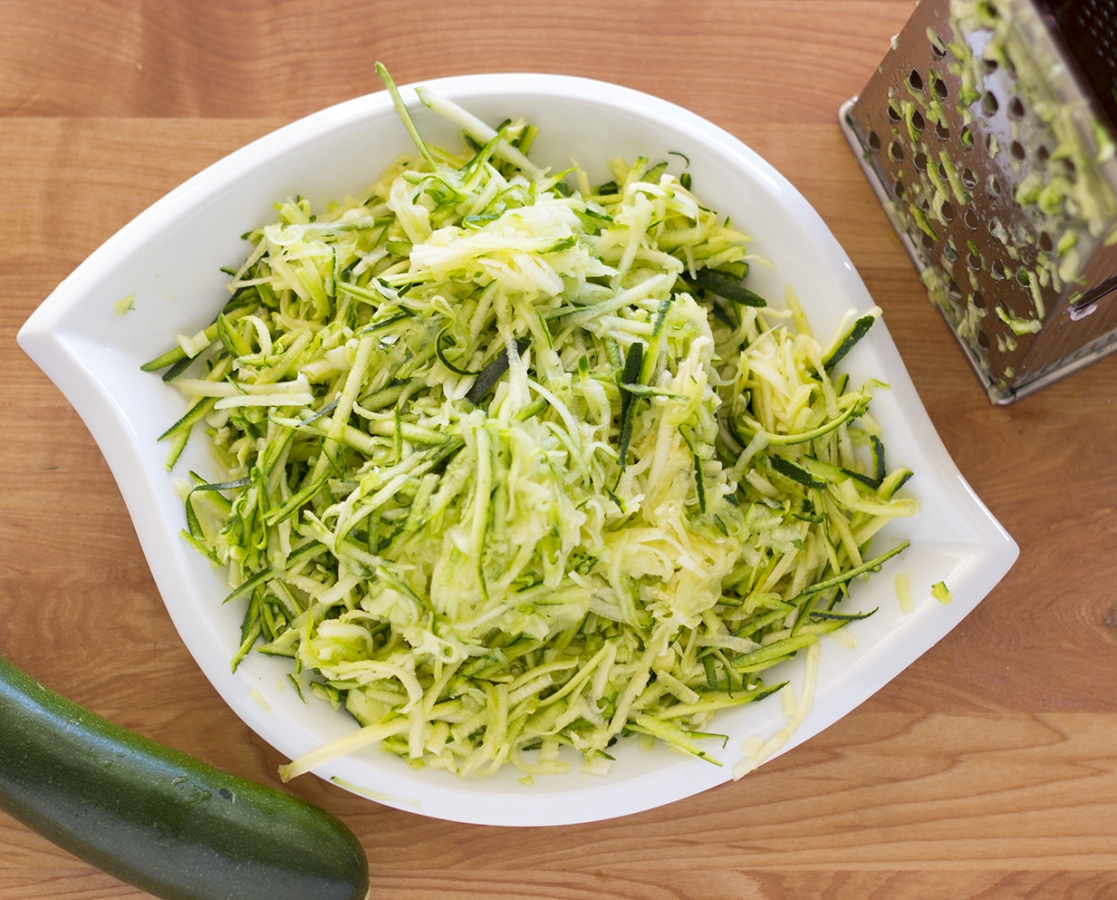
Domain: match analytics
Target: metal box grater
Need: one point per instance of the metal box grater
(988, 135)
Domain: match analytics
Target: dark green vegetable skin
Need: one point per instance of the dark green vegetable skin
(159, 819)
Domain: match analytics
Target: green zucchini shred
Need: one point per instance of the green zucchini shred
(485, 555)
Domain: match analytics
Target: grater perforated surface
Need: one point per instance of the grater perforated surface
(988, 142)
(1088, 31)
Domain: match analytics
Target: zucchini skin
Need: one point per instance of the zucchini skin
(157, 818)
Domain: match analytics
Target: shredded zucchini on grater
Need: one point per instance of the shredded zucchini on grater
(515, 462)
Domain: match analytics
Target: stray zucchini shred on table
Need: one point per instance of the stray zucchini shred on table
(515, 461)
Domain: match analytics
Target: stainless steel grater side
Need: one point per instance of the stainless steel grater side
(988, 135)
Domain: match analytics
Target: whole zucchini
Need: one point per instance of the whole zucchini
(159, 819)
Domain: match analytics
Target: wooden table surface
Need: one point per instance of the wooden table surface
(987, 769)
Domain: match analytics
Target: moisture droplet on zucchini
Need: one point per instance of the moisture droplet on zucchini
(157, 818)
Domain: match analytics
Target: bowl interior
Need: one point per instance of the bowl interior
(170, 257)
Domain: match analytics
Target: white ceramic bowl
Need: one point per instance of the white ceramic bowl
(169, 257)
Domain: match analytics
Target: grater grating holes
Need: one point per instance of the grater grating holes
(938, 48)
(1088, 29)
(916, 157)
(1003, 263)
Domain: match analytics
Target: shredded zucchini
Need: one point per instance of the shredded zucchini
(513, 463)
(903, 593)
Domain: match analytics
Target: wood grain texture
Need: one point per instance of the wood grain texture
(988, 769)
(240, 59)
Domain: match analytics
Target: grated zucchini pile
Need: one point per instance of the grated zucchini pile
(515, 461)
